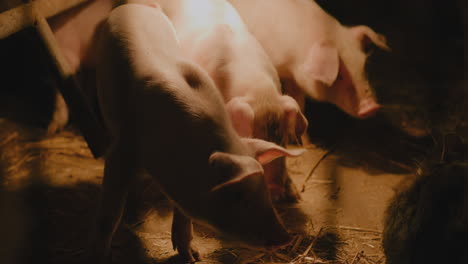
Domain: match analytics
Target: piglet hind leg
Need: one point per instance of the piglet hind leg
(182, 235)
(119, 173)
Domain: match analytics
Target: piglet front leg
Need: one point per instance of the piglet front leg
(182, 235)
(118, 175)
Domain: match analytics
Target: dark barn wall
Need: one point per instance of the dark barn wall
(426, 64)
(27, 80)
(419, 83)
(26, 86)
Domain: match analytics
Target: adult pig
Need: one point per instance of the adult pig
(213, 35)
(167, 118)
(314, 53)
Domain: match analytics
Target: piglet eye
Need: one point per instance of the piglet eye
(192, 79)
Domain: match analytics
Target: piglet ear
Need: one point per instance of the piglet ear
(368, 36)
(322, 64)
(242, 116)
(265, 151)
(296, 122)
(232, 169)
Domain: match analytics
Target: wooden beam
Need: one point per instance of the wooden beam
(90, 126)
(35, 13)
(20, 17)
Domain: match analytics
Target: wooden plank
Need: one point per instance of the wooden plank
(53, 47)
(20, 17)
(88, 123)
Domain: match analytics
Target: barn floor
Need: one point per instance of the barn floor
(56, 181)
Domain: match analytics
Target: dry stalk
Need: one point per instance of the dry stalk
(252, 259)
(299, 258)
(357, 257)
(9, 138)
(357, 229)
(297, 243)
(380, 260)
(324, 155)
(282, 257)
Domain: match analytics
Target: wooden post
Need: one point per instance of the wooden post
(20, 17)
(35, 13)
(88, 123)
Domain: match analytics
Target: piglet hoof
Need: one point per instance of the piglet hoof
(182, 235)
(189, 256)
(187, 252)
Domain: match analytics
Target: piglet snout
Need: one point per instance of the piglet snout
(368, 108)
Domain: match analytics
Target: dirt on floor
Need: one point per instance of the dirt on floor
(51, 187)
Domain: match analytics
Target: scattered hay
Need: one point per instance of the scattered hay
(65, 200)
(331, 245)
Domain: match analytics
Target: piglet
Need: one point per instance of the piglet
(213, 35)
(314, 53)
(166, 118)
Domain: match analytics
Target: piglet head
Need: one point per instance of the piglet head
(280, 121)
(241, 204)
(353, 91)
(337, 71)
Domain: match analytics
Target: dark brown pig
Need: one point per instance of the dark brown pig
(314, 52)
(426, 220)
(167, 118)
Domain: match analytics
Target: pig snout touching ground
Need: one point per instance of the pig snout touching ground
(213, 35)
(237, 203)
(315, 53)
(166, 117)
